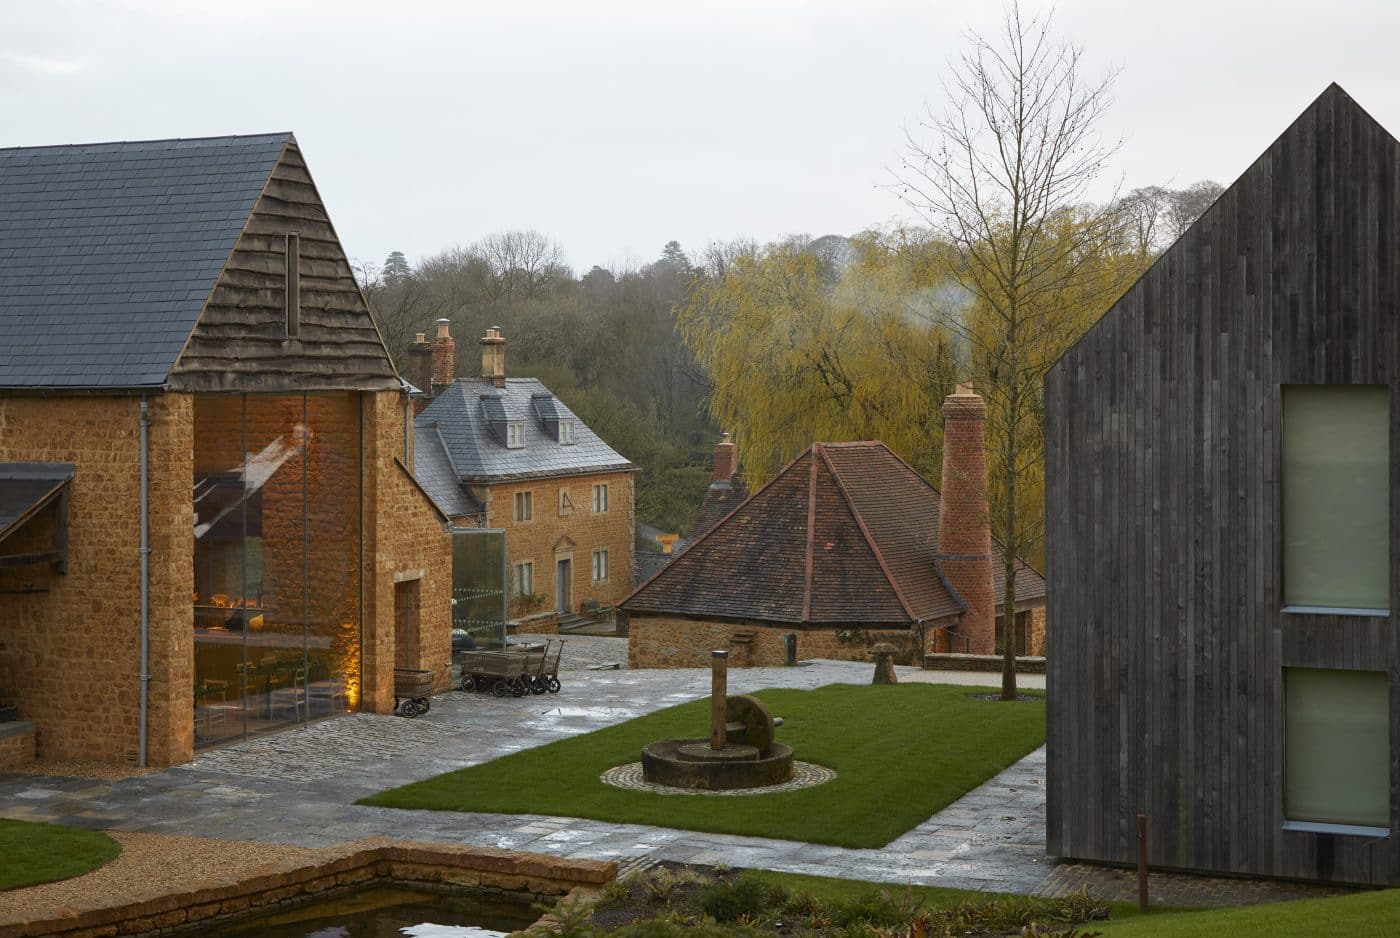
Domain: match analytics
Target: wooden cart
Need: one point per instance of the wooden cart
(412, 688)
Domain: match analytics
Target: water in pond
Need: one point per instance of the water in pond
(391, 913)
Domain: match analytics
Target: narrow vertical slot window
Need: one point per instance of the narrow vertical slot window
(293, 285)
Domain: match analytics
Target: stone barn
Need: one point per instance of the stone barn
(208, 529)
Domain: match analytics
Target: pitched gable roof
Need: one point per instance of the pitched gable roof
(467, 409)
(108, 252)
(847, 533)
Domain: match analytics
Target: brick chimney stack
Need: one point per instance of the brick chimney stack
(964, 526)
(493, 357)
(420, 370)
(726, 459)
(444, 358)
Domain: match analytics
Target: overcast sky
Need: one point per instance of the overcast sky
(617, 125)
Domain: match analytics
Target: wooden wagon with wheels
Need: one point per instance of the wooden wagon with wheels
(412, 688)
(500, 672)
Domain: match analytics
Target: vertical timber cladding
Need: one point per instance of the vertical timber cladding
(1164, 515)
(244, 339)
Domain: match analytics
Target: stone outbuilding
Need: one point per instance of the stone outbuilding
(846, 547)
(207, 525)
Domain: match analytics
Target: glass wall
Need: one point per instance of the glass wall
(478, 588)
(277, 561)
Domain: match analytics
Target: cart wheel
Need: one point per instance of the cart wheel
(500, 689)
(405, 708)
(423, 705)
(468, 683)
(519, 690)
(554, 685)
(538, 685)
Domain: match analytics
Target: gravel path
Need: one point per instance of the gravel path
(584, 652)
(149, 866)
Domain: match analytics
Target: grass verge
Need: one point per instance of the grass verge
(901, 753)
(1366, 915)
(33, 853)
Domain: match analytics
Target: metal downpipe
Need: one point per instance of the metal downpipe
(145, 579)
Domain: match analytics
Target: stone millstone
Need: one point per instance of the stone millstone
(701, 752)
(749, 722)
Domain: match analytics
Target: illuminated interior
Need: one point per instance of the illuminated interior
(277, 561)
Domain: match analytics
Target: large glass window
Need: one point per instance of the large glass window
(277, 561)
(1336, 497)
(1337, 749)
(478, 588)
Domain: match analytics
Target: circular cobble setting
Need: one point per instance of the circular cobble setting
(804, 775)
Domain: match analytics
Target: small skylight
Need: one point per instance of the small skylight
(566, 430)
(515, 434)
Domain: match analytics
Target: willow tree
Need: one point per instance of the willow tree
(805, 343)
(1003, 176)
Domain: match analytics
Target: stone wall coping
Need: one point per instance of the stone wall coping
(17, 728)
(362, 861)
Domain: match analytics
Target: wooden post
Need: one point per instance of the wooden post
(1142, 861)
(719, 691)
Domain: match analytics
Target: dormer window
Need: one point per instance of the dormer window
(515, 434)
(566, 431)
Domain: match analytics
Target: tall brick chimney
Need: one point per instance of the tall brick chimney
(726, 459)
(964, 526)
(420, 369)
(444, 358)
(493, 357)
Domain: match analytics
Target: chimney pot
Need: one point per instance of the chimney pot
(493, 357)
(420, 370)
(726, 459)
(444, 357)
(964, 523)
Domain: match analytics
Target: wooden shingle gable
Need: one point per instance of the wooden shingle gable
(242, 340)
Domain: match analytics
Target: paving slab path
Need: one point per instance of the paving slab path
(298, 788)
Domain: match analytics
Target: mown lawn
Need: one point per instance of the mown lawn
(901, 753)
(1366, 915)
(39, 853)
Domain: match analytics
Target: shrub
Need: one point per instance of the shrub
(741, 897)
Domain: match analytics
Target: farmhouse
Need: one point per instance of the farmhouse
(1222, 531)
(207, 526)
(524, 464)
(845, 547)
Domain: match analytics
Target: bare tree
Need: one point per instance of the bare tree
(524, 263)
(1005, 182)
(1184, 206)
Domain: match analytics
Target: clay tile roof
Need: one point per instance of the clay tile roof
(847, 533)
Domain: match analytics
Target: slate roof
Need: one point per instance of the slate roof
(719, 500)
(869, 558)
(432, 466)
(25, 487)
(479, 455)
(108, 252)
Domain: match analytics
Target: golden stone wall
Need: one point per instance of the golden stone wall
(70, 653)
(541, 539)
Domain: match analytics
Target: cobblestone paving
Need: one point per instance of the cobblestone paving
(804, 775)
(299, 788)
(584, 652)
(1180, 889)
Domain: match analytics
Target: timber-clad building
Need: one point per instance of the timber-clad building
(208, 527)
(1221, 531)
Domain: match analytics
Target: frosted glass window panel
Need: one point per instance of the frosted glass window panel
(1336, 496)
(1337, 746)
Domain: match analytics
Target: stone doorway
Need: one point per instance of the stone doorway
(564, 584)
(407, 608)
